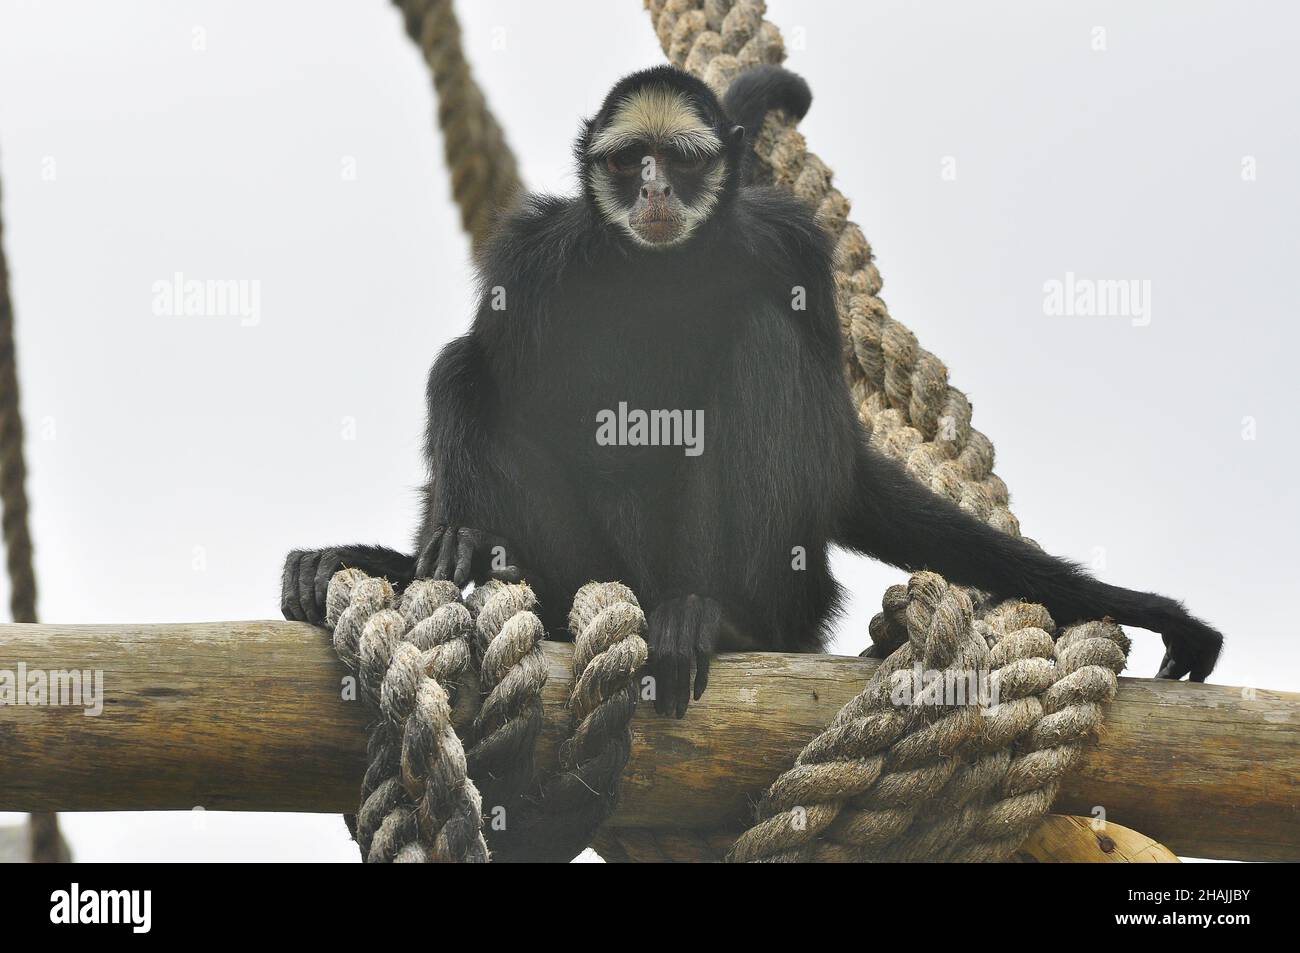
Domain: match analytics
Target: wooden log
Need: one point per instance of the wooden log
(1081, 840)
(250, 716)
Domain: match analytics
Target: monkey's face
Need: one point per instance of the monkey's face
(656, 168)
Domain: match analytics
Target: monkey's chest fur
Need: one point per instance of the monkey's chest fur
(631, 396)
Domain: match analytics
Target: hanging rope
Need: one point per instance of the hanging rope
(423, 795)
(46, 843)
(13, 467)
(484, 176)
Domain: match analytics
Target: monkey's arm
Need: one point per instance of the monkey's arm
(895, 519)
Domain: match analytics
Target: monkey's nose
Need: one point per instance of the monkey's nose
(656, 190)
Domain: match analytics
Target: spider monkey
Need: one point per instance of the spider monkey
(674, 288)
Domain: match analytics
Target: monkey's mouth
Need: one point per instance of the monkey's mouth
(658, 229)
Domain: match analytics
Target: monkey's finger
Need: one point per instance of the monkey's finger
(702, 660)
(663, 684)
(464, 558)
(325, 571)
(446, 556)
(307, 588)
(424, 566)
(682, 684)
(290, 605)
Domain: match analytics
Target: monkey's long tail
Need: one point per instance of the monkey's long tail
(755, 93)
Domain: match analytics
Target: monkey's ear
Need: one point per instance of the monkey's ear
(737, 134)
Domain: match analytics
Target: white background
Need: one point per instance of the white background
(156, 440)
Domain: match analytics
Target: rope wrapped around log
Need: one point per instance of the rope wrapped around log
(418, 802)
(423, 794)
(960, 765)
(560, 818)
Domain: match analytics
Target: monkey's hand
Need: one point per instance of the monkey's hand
(306, 578)
(462, 554)
(681, 632)
(1191, 648)
(307, 575)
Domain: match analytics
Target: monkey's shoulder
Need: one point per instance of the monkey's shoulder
(540, 236)
(779, 232)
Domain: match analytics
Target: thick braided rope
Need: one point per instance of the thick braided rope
(1020, 670)
(1050, 696)
(608, 627)
(512, 673)
(857, 784)
(426, 808)
(13, 466)
(437, 630)
(563, 817)
(964, 781)
(484, 175)
(421, 796)
(1089, 658)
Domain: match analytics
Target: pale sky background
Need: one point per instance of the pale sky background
(152, 439)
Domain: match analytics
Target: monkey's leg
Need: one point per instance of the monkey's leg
(896, 519)
(307, 574)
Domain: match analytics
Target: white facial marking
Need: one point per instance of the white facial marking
(657, 114)
(665, 117)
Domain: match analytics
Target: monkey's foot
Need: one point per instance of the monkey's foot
(462, 554)
(681, 632)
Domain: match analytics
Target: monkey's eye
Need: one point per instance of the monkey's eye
(624, 161)
(689, 163)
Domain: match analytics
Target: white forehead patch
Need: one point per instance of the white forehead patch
(656, 114)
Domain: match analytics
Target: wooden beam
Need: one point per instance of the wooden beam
(250, 716)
